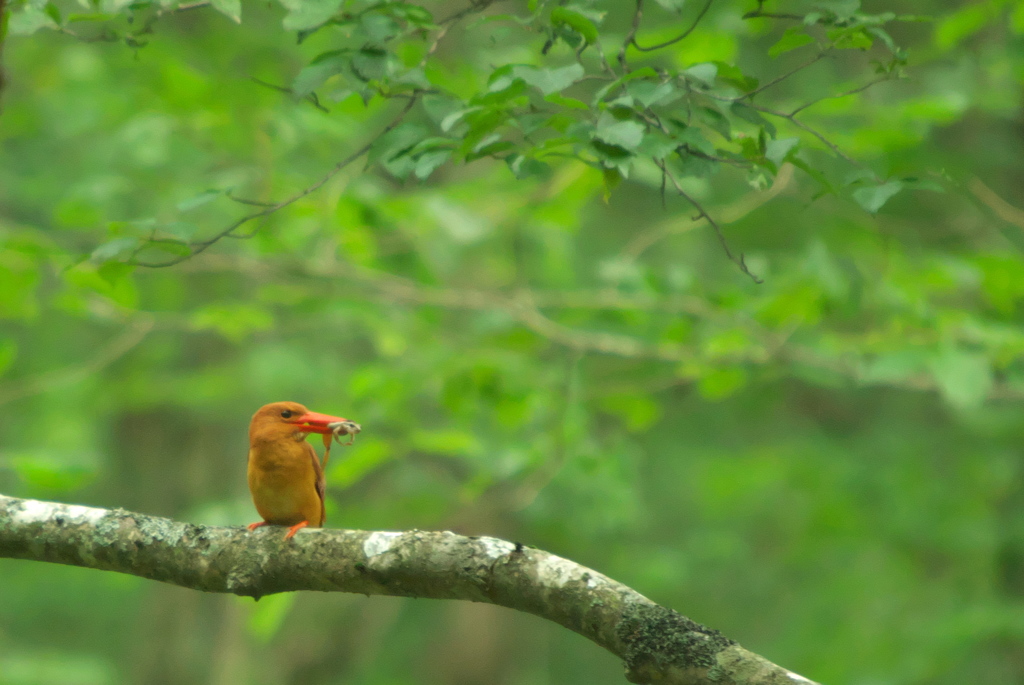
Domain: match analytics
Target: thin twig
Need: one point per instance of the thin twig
(281, 89)
(785, 76)
(738, 260)
(437, 41)
(245, 201)
(852, 91)
(474, 6)
(105, 36)
(728, 214)
(678, 38)
(202, 246)
(638, 13)
(814, 132)
(772, 15)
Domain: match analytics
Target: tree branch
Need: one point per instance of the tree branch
(201, 246)
(814, 132)
(738, 260)
(656, 643)
(779, 79)
(675, 40)
(732, 213)
(631, 36)
(311, 98)
(759, 12)
(845, 93)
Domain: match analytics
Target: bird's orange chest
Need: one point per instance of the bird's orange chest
(282, 480)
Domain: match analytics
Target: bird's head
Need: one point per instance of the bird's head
(282, 420)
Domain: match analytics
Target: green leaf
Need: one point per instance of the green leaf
(503, 87)
(694, 139)
(562, 101)
(307, 14)
(872, 198)
(453, 118)
(370, 64)
(491, 145)
(549, 81)
(53, 12)
(705, 73)
(778, 150)
(115, 249)
(199, 200)
(377, 28)
(611, 178)
(649, 93)
(716, 120)
(416, 77)
(440, 107)
(28, 20)
(734, 76)
(624, 134)
(526, 167)
(232, 9)
(964, 378)
(429, 161)
(855, 38)
(323, 67)
(692, 165)
(657, 145)
(641, 73)
(793, 38)
(748, 113)
(884, 36)
(843, 10)
(182, 230)
(395, 144)
(576, 21)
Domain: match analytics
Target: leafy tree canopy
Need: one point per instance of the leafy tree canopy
(720, 298)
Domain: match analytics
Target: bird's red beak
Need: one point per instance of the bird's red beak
(311, 422)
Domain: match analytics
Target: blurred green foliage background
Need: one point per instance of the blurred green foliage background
(826, 466)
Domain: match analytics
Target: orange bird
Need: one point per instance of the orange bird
(285, 476)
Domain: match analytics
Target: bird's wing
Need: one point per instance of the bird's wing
(321, 483)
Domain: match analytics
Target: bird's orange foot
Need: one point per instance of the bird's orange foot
(258, 524)
(295, 529)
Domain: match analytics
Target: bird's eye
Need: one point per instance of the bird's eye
(286, 414)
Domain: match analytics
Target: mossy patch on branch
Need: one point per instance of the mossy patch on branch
(656, 640)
